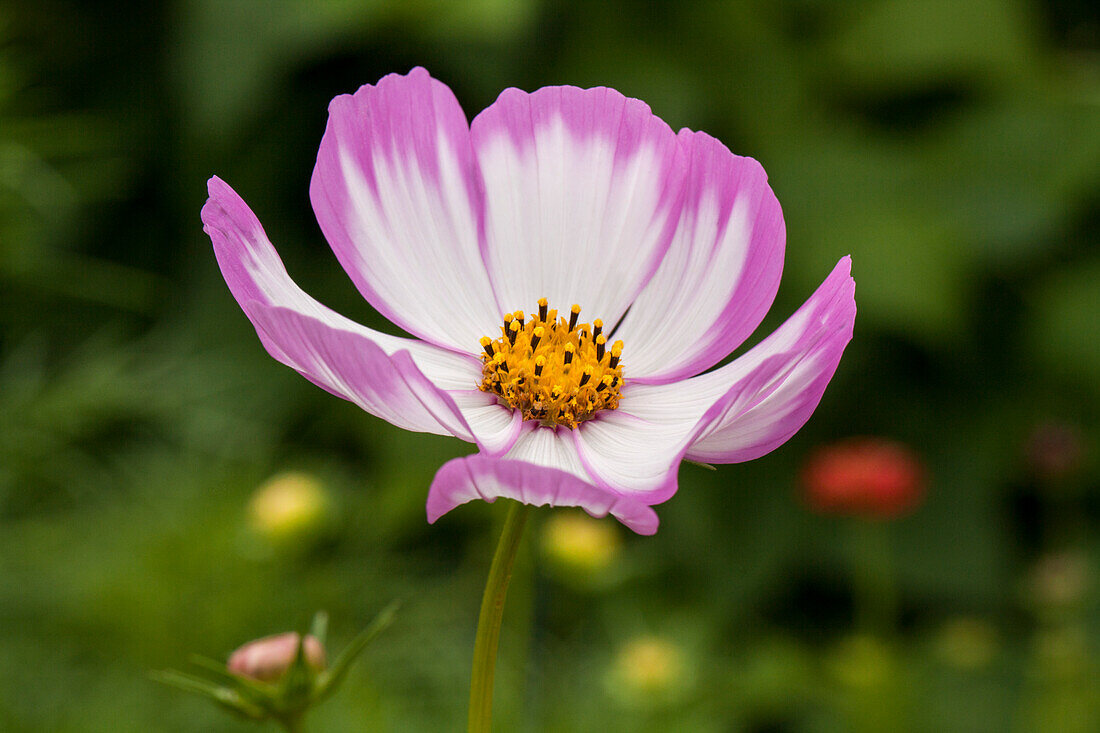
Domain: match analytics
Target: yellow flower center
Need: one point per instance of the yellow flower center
(553, 370)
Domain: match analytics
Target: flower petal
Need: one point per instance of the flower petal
(582, 191)
(757, 402)
(353, 367)
(735, 413)
(397, 195)
(632, 455)
(720, 274)
(481, 477)
(550, 447)
(497, 427)
(257, 279)
(810, 344)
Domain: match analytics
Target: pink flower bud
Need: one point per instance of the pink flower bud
(269, 658)
(868, 477)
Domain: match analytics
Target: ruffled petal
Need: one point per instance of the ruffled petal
(258, 280)
(757, 402)
(397, 195)
(550, 447)
(632, 455)
(497, 427)
(481, 477)
(582, 191)
(720, 274)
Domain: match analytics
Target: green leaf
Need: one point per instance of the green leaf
(222, 695)
(256, 691)
(331, 679)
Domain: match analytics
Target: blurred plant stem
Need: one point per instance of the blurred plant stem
(488, 623)
(875, 591)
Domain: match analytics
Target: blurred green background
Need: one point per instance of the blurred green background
(952, 148)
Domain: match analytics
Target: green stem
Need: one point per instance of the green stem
(488, 622)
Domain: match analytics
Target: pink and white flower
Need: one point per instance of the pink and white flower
(564, 194)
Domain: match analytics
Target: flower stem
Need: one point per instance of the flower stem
(488, 622)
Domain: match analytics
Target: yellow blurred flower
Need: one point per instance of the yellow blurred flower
(289, 506)
(967, 643)
(1059, 581)
(574, 543)
(649, 670)
(861, 661)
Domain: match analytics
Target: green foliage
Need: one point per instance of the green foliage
(952, 148)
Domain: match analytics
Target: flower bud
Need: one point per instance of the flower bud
(865, 477)
(269, 658)
(277, 677)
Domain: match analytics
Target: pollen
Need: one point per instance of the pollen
(558, 371)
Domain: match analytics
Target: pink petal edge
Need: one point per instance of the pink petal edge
(352, 367)
(800, 358)
(462, 480)
(398, 196)
(720, 274)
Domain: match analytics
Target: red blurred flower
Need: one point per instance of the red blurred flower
(866, 477)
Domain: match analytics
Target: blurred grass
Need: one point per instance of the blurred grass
(952, 149)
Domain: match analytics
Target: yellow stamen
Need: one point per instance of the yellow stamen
(552, 370)
(616, 352)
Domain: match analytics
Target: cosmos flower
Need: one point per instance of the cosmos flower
(569, 269)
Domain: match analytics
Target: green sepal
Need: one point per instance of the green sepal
(255, 691)
(297, 684)
(226, 697)
(318, 628)
(330, 679)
